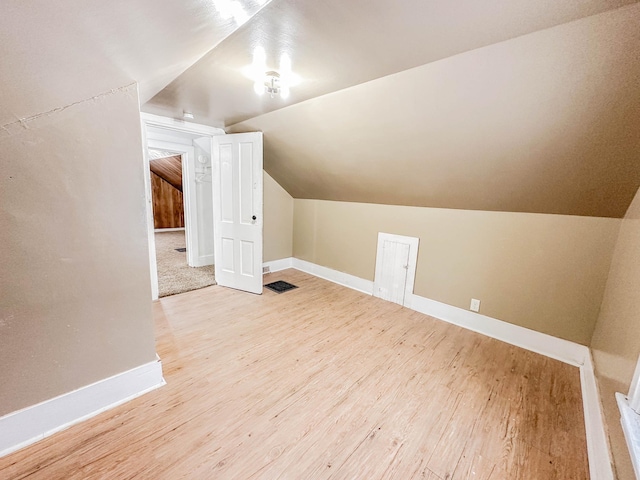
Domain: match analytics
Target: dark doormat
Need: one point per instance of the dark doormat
(181, 249)
(280, 286)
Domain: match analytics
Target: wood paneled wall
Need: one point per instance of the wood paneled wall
(169, 169)
(168, 210)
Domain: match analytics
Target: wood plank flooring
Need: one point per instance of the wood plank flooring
(323, 382)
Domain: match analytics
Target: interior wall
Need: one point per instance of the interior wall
(278, 221)
(543, 123)
(168, 209)
(75, 305)
(544, 272)
(616, 339)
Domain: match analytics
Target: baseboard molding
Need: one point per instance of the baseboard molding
(600, 461)
(203, 261)
(24, 427)
(160, 230)
(277, 265)
(548, 345)
(600, 467)
(341, 278)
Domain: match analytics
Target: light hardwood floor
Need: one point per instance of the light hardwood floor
(323, 382)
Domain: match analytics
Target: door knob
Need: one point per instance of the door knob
(253, 218)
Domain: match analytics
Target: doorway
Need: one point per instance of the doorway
(174, 273)
(181, 257)
(396, 261)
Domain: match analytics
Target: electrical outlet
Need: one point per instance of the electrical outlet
(475, 305)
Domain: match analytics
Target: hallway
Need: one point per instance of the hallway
(174, 275)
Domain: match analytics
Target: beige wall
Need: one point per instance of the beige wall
(75, 291)
(525, 125)
(544, 272)
(616, 340)
(278, 221)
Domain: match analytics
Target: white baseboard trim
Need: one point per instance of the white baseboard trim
(598, 453)
(277, 265)
(341, 278)
(24, 427)
(203, 261)
(547, 345)
(160, 230)
(600, 467)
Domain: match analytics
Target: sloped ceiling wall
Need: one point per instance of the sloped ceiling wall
(168, 169)
(336, 44)
(57, 54)
(547, 123)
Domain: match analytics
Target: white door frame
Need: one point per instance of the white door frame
(188, 194)
(148, 119)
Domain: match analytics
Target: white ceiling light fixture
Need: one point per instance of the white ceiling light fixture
(271, 81)
(285, 75)
(272, 84)
(231, 9)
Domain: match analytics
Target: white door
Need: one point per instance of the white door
(237, 210)
(396, 261)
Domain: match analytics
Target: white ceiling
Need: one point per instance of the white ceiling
(335, 44)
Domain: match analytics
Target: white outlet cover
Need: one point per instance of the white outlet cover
(475, 305)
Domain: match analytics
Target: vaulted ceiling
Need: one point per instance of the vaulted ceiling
(511, 105)
(335, 44)
(507, 105)
(548, 122)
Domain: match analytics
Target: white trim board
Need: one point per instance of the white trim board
(277, 265)
(180, 125)
(629, 405)
(547, 345)
(598, 453)
(161, 230)
(24, 427)
(631, 428)
(345, 279)
(600, 467)
(203, 260)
